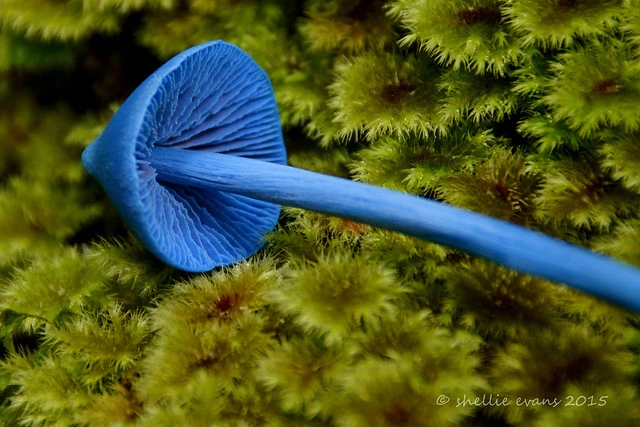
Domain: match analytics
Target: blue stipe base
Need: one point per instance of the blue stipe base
(507, 244)
(210, 98)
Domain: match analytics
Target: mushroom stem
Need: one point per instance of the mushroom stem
(510, 245)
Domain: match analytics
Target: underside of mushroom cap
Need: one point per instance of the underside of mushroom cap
(212, 97)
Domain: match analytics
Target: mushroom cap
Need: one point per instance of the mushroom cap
(211, 97)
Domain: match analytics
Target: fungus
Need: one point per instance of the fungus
(195, 163)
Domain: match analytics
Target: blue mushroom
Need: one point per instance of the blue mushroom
(212, 98)
(195, 163)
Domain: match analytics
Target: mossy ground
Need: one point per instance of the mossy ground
(525, 110)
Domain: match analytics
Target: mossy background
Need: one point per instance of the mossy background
(526, 110)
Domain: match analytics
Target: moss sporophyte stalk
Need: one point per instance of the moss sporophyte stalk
(450, 167)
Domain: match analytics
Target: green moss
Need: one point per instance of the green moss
(596, 86)
(502, 186)
(552, 23)
(377, 94)
(523, 110)
(461, 34)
